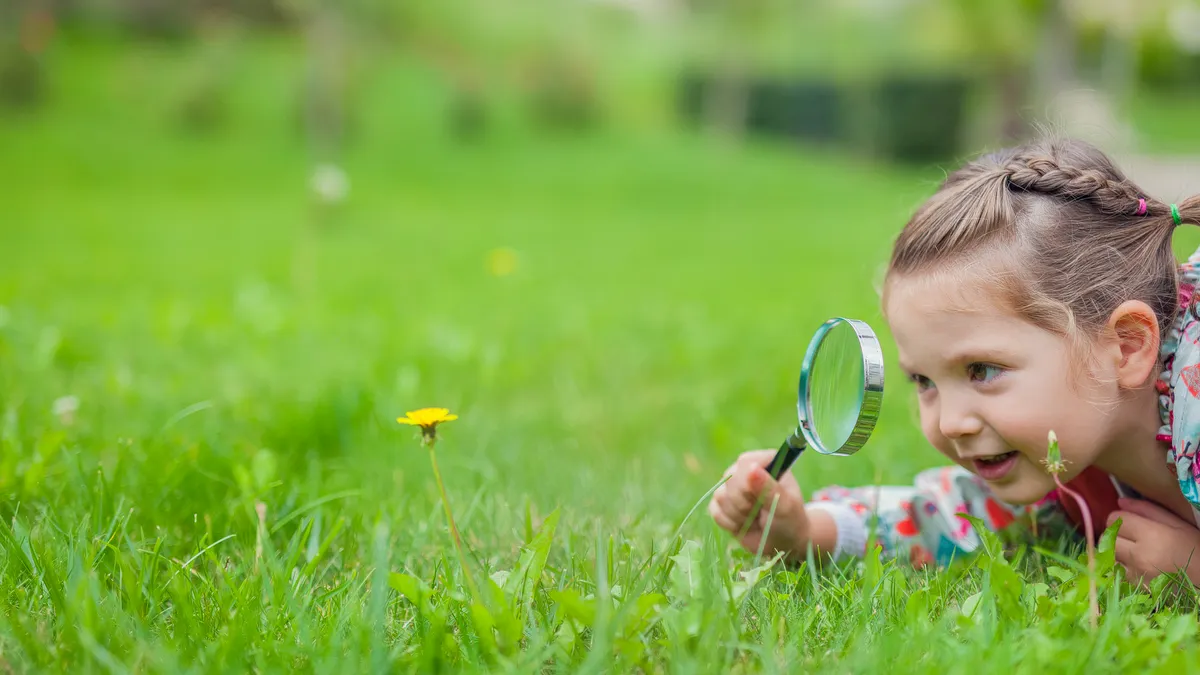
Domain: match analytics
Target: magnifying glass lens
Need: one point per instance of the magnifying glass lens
(835, 395)
(839, 394)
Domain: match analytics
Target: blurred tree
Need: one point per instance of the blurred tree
(158, 18)
(26, 29)
(1009, 38)
(1031, 49)
(1055, 54)
(563, 95)
(326, 37)
(202, 105)
(727, 33)
(170, 19)
(329, 28)
(487, 50)
(1121, 24)
(453, 39)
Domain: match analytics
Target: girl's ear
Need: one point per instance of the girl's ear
(1133, 329)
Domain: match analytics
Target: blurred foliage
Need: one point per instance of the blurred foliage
(167, 19)
(1163, 65)
(21, 79)
(778, 67)
(24, 35)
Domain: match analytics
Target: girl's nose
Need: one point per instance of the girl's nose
(955, 420)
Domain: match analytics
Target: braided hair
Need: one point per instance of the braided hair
(1065, 236)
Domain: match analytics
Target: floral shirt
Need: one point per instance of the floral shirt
(919, 522)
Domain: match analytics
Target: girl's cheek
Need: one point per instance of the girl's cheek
(943, 446)
(933, 434)
(929, 427)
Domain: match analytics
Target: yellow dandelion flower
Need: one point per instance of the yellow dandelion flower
(428, 419)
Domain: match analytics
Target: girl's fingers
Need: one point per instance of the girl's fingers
(1124, 550)
(738, 502)
(745, 489)
(1152, 511)
(757, 457)
(728, 521)
(718, 499)
(718, 514)
(747, 486)
(731, 505)
(725, 522)
(1132, 525)
(737, 479)
(766, 513)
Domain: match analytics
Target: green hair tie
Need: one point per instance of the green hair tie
(1175, 215)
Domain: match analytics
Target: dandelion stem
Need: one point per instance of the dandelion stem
(1054, 466)
(458, 547)
(1089, 532)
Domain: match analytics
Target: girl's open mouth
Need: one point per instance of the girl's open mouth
(996, 467)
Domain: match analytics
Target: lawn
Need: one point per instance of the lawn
(614, 317)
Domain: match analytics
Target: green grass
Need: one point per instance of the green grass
(230, 360)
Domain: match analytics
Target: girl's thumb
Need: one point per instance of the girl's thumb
(760, 479)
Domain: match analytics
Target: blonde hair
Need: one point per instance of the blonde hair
(1063, 223)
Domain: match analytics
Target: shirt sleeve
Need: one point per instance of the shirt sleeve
(920, 523)
(1179, 386)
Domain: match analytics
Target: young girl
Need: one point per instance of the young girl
(1035, 291)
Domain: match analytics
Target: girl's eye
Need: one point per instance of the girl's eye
(983, 372)
(923, 383)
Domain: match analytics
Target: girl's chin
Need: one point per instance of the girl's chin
(1023, 493)
(1023, 489)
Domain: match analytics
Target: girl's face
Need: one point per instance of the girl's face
(991, 386)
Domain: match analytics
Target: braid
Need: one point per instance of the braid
(1071, 236)
(1042, 174)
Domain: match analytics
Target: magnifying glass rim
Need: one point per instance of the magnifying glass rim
(872, 387)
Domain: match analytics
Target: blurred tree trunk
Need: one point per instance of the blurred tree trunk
(1006, 35)
(1011, 81)
(742, 24)
(727, 101)
(324, 115)
(1118, 68)
(26, 29)
(1056, 67)
(160, 18)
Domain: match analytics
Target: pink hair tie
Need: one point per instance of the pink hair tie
(1141, 206)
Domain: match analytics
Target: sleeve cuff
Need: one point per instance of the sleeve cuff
(851, 530)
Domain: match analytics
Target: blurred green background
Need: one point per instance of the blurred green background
(238, 238)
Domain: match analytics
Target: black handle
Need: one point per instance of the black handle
(788, 452)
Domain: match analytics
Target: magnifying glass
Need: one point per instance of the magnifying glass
(840, 393)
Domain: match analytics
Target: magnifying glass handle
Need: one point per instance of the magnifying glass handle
(788, 452)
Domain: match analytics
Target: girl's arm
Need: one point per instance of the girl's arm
(918, 523)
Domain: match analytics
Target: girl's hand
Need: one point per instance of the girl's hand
(1153, 540)
(792, 528)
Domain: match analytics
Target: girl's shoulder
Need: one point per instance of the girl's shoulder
(1179, 385)
(1189, 274)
